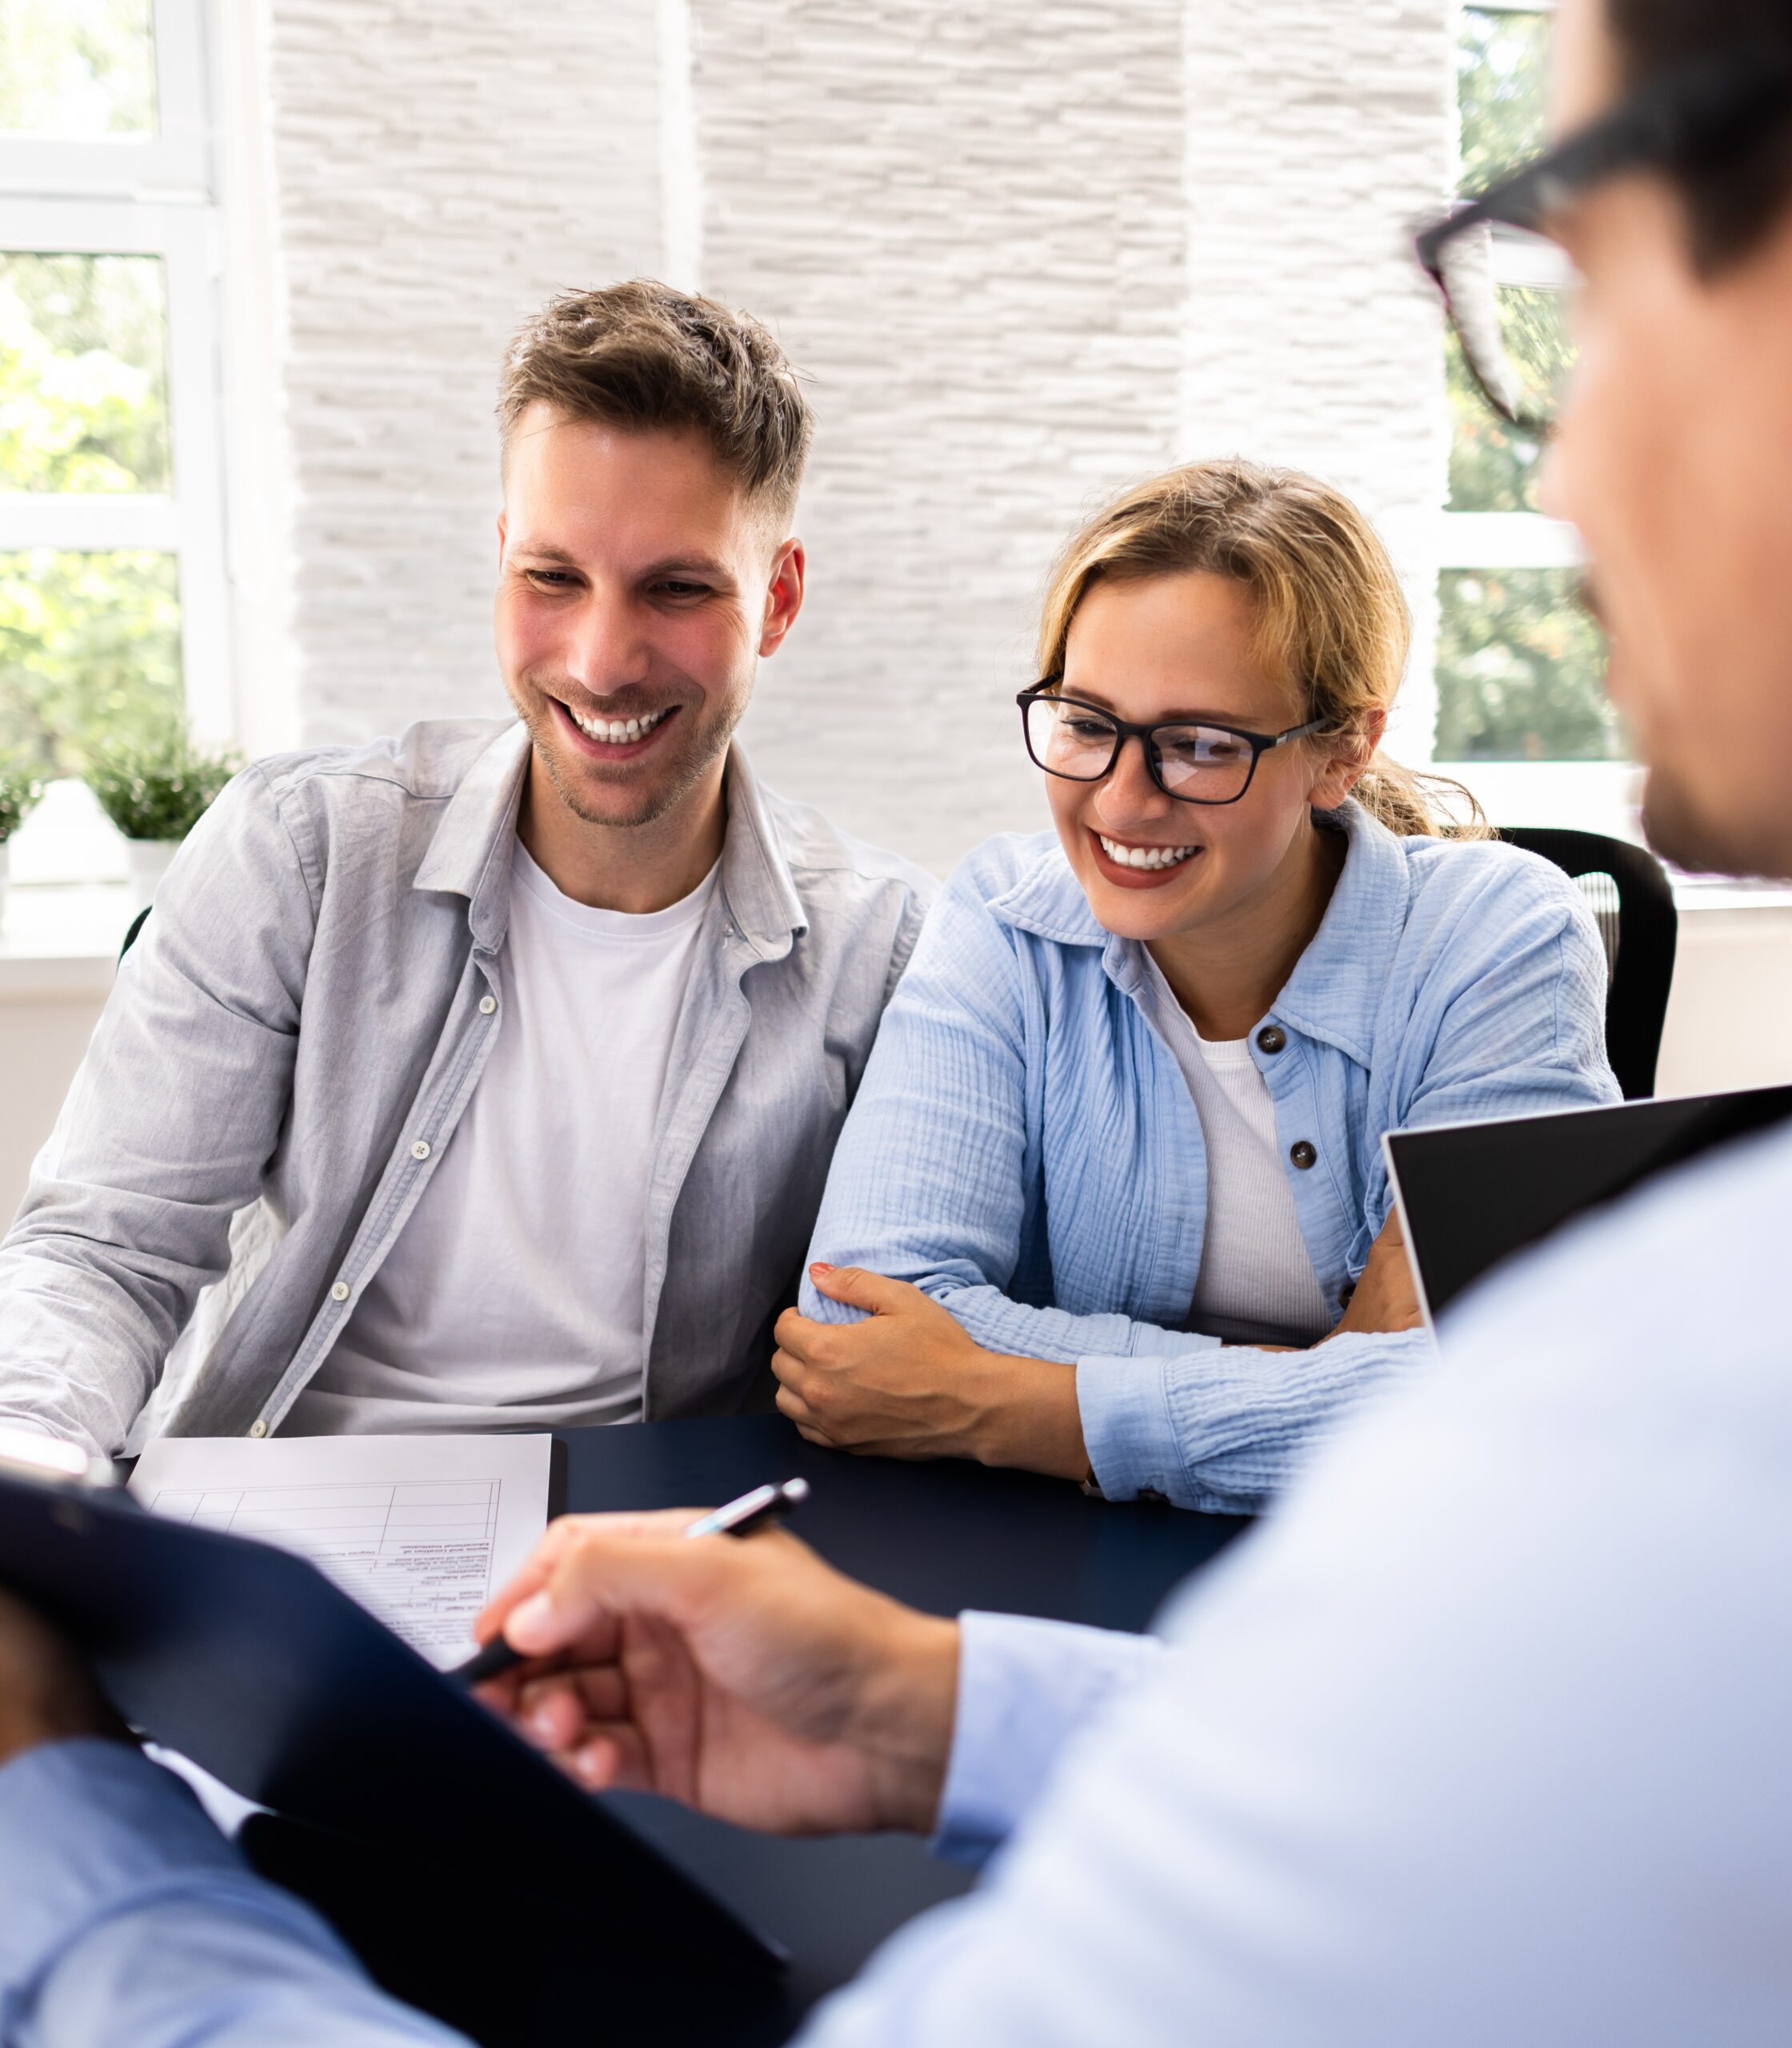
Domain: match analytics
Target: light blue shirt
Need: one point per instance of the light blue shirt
(1481, 1739)
(1025, 1148)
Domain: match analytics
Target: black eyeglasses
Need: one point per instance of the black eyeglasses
(1500, 272)
(1193, 763)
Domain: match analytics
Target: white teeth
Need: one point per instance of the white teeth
(1145, 857)
(617, 732)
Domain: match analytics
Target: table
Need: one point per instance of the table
(943, 1536)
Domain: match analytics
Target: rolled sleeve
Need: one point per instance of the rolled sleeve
(1224, 1429)
(1025, 1686)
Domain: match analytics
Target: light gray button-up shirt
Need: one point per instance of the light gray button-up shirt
(293, 1040)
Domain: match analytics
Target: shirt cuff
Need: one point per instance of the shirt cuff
(84, 1825)
(1025, 1686)
(1127, 1430)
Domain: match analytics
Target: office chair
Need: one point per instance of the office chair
(1628, 892)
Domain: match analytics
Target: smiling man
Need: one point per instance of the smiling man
(493, 1070)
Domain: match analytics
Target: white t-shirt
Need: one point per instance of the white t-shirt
(1257, 1280)
(514, 1296)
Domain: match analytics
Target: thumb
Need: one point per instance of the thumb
(602, 1576)
(860, 1289)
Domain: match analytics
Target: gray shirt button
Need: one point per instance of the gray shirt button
(340, 1291)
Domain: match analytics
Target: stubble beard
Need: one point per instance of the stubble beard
(703, 744)
(1677, 829)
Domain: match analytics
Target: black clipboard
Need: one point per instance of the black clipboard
(248, 1661)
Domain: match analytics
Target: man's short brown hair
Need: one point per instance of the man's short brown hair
(642, 355)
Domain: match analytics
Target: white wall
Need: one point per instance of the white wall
(1027, 251)
(439, 168)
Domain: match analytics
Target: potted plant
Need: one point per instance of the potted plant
(155, 792)
(19, 790)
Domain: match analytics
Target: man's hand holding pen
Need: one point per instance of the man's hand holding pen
(750, 1680)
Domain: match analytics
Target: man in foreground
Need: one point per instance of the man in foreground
(1483, 1738)
(494, 1070)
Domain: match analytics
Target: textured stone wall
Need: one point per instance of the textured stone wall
(968, 223)
(440, 167)
(1319, 134)
(1027, 249)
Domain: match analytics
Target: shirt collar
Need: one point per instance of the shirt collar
(756, 878)
(1339, 981)
(469, 854)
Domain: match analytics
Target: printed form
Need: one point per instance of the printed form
(422, 1530)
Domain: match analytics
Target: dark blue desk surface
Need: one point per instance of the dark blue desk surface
(944, 1536)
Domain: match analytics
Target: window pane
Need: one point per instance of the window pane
(1493, 466)
(1520, 671)
(89, 650)
(83, 374)
(1499, 91)
(78, 70)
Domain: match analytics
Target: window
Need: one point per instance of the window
(1520, 663)
(113, 599)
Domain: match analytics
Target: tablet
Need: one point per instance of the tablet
(247, 1660)
(1471, 1194)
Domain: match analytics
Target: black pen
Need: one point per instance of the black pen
(760, 1509)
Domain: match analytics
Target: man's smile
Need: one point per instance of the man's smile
(611, 739)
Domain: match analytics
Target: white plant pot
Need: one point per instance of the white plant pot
(146, 862)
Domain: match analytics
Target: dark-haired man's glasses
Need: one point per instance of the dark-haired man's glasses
(1193, 763)
(1502, 275)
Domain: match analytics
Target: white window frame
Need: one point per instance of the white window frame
(151, 196)
(1598, 796)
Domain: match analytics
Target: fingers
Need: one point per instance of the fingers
(561, 1536)
(615, 1568)
(613, 1759)
(808, 1342)
(856, 1288)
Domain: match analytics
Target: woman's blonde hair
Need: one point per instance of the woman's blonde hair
(1330, 614)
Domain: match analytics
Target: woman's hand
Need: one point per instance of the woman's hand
(744, 1677)
(1386, 1298)
(909, 1382)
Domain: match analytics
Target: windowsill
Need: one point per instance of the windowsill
(59, 941)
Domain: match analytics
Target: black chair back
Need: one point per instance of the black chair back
(1632, 903)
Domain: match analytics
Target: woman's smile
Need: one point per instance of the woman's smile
(1138, 863)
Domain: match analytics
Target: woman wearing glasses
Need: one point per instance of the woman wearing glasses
(1112, 1192)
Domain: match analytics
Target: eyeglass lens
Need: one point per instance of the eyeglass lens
(1507, 291)
(1205, 764)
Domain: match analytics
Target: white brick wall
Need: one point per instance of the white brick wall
(1319, 134)
(440, 167)
(1028, 249)
(968, 224)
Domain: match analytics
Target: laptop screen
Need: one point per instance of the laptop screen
(1471, 1194)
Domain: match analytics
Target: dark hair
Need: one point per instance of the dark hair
(640, 354)
(1732, 196)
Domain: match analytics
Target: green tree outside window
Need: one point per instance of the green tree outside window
(89, 642)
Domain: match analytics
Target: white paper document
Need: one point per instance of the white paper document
(420, 1529)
